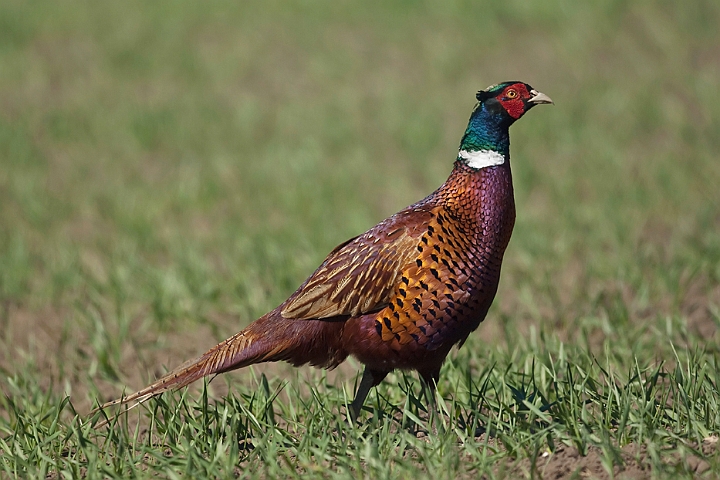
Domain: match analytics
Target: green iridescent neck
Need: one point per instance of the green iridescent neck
(486, 130)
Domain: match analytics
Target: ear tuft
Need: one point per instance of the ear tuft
(492, 90)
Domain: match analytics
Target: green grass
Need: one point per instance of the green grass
(170, 172)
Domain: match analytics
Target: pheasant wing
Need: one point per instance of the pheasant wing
(358, 276)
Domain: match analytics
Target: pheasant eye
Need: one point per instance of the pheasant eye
(511, 94)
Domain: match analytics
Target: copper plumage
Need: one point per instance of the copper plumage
(402, 294)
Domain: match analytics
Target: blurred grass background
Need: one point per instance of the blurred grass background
(171, 171)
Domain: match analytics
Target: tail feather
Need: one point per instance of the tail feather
(271, 338)
(235, 352)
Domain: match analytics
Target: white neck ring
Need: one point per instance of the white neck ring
(481, 158)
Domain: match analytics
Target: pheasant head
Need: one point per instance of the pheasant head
(487, 141)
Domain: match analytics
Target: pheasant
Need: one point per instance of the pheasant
(402, 294)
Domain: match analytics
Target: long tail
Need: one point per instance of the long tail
(269, 339)
(220, 358)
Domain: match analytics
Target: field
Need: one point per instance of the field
(171, 171)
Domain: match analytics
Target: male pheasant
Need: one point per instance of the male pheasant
(403, 293)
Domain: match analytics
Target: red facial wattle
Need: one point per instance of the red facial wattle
(514, 105)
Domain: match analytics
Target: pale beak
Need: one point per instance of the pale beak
(539, 98)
